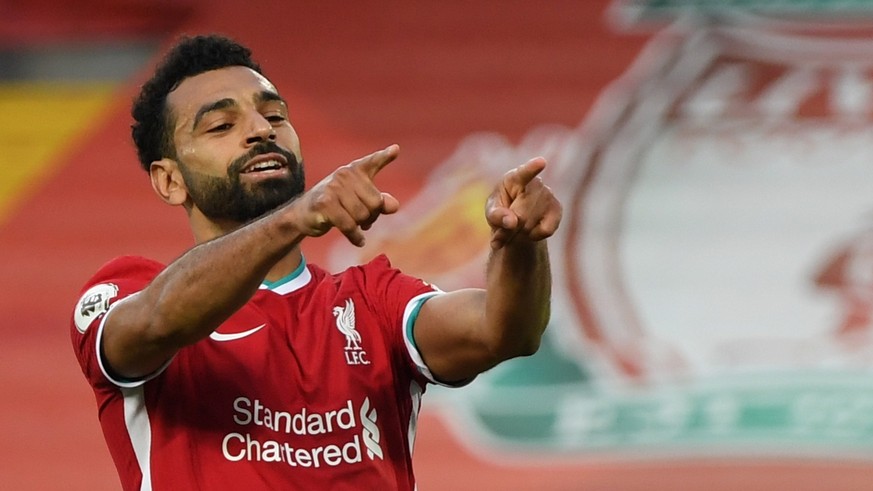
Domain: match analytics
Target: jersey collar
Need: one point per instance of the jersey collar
(298, 278)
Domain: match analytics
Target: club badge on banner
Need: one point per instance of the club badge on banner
(713, 276)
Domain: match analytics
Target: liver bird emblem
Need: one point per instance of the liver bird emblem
(345, 322)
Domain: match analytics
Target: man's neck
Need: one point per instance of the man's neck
(286, 265)
(205, 230)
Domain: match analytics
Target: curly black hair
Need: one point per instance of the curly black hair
(152, 127)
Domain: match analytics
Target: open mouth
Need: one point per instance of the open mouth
(265, 163)
(264, 166)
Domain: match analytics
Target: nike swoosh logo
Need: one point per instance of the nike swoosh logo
(217, 336)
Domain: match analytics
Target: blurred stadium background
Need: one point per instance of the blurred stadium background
(713, 276)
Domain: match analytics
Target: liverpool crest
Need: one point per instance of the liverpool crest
(345, 323)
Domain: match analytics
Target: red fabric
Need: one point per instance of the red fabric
(302, 401)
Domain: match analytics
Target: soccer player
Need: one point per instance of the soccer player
(240, 365)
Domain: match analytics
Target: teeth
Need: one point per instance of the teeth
(269, 164)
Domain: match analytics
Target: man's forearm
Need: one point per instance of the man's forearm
(194, 295)
(206, 285)
(519, 297)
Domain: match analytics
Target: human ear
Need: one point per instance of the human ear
(167, 181)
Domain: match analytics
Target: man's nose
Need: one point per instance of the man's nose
(261, 131)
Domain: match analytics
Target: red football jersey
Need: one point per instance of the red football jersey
(314, 384)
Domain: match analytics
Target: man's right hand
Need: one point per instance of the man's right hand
(348, 199)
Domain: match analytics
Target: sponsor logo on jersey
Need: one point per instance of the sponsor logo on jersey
(345, 322)
(273, 435)
(371, 433)
(93, 304)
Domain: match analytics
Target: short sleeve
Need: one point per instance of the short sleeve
(114, 282)
(401, 298)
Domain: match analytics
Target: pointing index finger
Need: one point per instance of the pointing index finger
(375, 162)
(525, 172)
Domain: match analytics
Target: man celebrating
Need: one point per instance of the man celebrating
(241, 366)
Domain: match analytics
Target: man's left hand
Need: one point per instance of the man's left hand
(522, 206)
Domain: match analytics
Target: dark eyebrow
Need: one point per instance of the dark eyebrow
(268, 96)
(213, 106)
(260, 97)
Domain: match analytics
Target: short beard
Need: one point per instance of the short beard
(227, 198)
